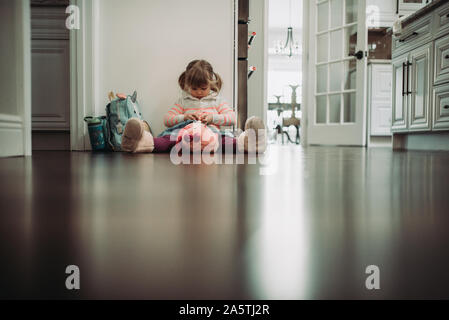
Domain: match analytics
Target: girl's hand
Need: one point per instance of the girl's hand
(191, 117)
(206, 118)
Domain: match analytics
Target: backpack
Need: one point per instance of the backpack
(118, 112)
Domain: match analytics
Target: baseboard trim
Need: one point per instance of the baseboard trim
(429, 141)
(10, 133)
(379, 142)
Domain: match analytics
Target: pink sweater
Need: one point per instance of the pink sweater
(222, 113)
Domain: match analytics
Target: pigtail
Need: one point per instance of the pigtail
(218, 82)
(182, 80)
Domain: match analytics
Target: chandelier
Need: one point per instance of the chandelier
(290, 47)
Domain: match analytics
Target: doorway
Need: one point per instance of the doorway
(284, 76)
(50, 64)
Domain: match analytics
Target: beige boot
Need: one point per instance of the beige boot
(136, 138)
(253, 139)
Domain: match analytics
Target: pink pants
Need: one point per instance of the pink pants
(164, 144)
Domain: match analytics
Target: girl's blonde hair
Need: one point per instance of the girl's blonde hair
(200, 73)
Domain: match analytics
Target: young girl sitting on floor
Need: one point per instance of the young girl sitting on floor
(200, 102)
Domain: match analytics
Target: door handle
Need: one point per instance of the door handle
(446, 107)
(403, 78)
(408, 37)
(408, 77)
(358, 55)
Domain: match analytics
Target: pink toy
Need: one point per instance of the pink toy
(197, 136)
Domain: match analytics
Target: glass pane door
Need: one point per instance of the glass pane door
(336, 38)
(337, 59)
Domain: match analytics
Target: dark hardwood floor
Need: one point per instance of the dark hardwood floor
(141, 227)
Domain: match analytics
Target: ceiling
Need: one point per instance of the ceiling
(279, 15)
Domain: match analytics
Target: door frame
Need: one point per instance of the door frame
(83, 72)
(306, 75)
(23, 67)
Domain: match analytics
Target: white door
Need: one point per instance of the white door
(380, 76)
(337, 72)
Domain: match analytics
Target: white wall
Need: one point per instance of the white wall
(15, 81)
(145, 45)
(7, 56)
(384, 9)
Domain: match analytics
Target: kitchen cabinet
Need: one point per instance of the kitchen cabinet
(418, 77)
(399, 106)
(441, 61)
(441, 110)
(420, 68)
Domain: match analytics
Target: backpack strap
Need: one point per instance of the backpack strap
(120, 124)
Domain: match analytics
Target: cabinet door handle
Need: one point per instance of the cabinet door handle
(408, 77)
(408, 37)
(446, 107)
(446, 56)
(403, 78)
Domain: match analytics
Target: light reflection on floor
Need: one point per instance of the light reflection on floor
(278, 250)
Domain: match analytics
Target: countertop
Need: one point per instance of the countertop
(423, 11)
(420, 13)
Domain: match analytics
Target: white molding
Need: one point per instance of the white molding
(235, 4)
(97, 101)
(8, 118)
(76, 81)
(258, 57)
(24, 72)
(82, 73)
(306, 75)
(11, 125)
(265, 59)
(362, 44)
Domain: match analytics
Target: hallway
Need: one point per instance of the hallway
(141, 227)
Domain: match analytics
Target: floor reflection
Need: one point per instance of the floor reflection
(306, 227)
(277, 251)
